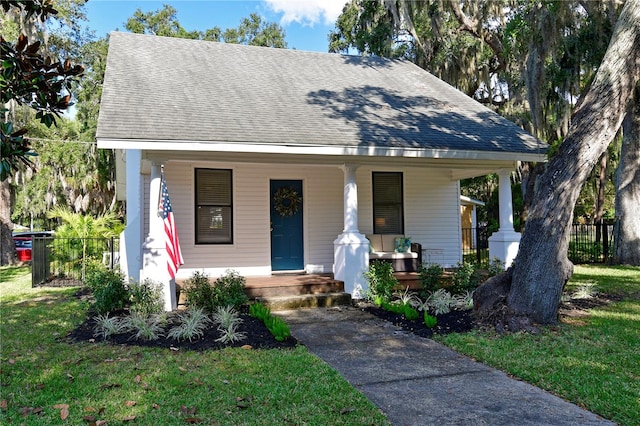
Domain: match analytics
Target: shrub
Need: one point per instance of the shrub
(430, 277)
(146, 297)
(495, 267)
(108, 287)
(381, 281)
(227, 290)
(199, 292)
(464, 278)
(190, 325)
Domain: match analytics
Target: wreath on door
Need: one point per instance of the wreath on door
(286, 201)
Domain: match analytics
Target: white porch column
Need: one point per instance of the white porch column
(131, 237)
(154, 247)
(351, 248)
(504, 244)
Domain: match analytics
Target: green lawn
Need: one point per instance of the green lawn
(43, 378)
(593, 361)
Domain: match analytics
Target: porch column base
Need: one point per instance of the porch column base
(154, 268)
(351, 258)
(504, 246)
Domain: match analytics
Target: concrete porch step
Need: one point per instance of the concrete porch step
(321, 300)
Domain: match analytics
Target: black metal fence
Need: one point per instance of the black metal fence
(475, 245)
(63, 261)
(591, 243)
(588, 243)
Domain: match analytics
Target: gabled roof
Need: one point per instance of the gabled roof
(175, 91)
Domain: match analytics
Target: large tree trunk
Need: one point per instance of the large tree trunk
(541, 267)
(7, 246)
(627, 228)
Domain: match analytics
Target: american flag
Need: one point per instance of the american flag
(174, 255)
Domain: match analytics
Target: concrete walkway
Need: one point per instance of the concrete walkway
(416, 381)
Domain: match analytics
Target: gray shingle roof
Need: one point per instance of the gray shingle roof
(171, 89)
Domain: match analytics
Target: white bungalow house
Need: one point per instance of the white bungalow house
(369, 145)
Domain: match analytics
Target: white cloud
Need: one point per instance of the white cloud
(308, 12)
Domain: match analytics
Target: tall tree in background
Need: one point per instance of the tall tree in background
(29, 77)
(164, 22)
(627, 227)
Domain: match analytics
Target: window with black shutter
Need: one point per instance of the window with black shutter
(388, 213)
(214, 208)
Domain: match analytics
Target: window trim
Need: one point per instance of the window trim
(373, 200)
(196, 205)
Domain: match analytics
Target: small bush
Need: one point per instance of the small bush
(191, 324)
(227, 290)
(430, 277)
(146, 297)
(430, 321)
(108, 287)
(464, 278)
(381, 281)
(199, 292)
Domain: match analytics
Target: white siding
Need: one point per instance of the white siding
(430, 201)
(431, 211)
(250, 253)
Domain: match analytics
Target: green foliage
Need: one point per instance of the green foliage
(275, 325)
(227, 290)
(252, 30)
(189, 325)
(464, 278)
(144, 327)
(199, 292)
(146, 297)
(278, 327)
(259, 311)
(29, 77)
(429, 321)
(107, 326)
(430, 277)
(495, 267)
(381, 281)
(440, 302)
(107, 285)
(228, 320)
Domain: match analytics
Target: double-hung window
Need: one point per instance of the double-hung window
(388, 212)
(214, 206)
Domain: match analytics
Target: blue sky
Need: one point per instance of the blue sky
(306, 22)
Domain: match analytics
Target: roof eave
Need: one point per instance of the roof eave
(327, 150)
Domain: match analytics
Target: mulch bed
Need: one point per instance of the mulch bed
(258, 336)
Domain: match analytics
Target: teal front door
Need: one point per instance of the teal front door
(287, 249)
